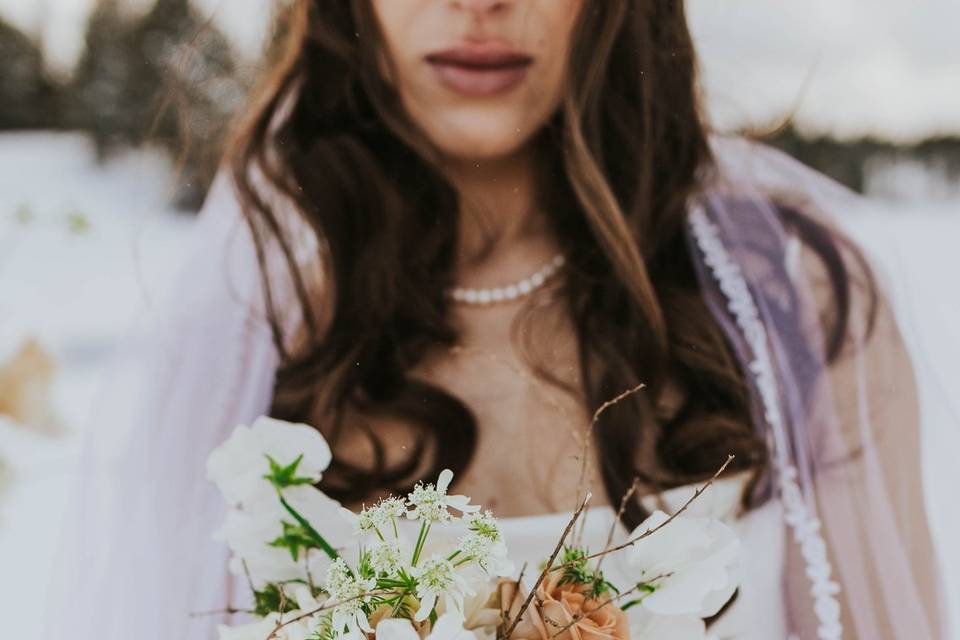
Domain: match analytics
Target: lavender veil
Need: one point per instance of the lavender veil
(137, 559)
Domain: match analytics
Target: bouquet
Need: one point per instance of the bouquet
(433, 566)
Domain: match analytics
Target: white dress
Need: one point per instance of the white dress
(758, 613)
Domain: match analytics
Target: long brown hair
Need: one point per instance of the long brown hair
(621, 157)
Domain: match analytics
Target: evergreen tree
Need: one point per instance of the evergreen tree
(28, 98)
(167, 78)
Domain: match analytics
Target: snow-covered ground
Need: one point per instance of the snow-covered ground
(81, 244)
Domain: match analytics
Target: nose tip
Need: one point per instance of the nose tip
(483, 6)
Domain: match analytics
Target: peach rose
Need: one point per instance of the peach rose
(557, 606)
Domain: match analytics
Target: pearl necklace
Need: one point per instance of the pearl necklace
(525, 287)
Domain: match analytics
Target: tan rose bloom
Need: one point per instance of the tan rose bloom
(599, 619)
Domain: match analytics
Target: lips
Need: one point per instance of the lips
(480, 71)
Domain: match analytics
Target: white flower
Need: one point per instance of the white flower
(648, 626)
(692, 562)
(379, 519)
(386, 558)
(239, 464)
(438, 577)
(249, 534)
(303, 629)
(254, 631)
(349, 591)
(448, 627)
(484, 544)
(431, 503)
(485, 525)
(492, 556)
(481, 610)
(248, 537)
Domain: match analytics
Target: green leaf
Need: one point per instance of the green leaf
(324, 630)
(647, 588)
(294, 538)
(282, 477)
(268, 601)
(578, 571)
(314, 535)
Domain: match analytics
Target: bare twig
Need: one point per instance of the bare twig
(217, 612)
(283, 605)
(588, 440)
(650, 532)
(324, 607)
(505, 608)
(616, 519)
(546, 568)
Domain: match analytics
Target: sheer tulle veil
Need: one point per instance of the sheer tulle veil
(138, 558)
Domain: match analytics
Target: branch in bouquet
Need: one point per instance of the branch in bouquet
(546, 568)
(624, 501)
(326, 606)
(219, 612)
(650, 532)
(588, 440)
(505, 607)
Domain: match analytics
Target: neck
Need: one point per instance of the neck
(498, 204)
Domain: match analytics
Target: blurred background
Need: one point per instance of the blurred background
(112, 116)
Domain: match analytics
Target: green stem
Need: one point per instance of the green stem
(421, 539)
(314, 534)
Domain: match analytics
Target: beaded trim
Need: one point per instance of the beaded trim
(510, 292)
(799, 513)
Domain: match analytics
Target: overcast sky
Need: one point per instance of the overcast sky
(847, 67)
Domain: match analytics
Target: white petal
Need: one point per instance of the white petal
(255, 631)
(426, 606)
(462, 504)
(285, 441)
(655, 627)
(363, 623)
(396, 629)
(304, 598)
(697, 558)
(444, 480)
(449, 626)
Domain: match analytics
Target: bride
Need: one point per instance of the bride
(445, 233)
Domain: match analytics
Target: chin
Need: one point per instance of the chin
(473, 136)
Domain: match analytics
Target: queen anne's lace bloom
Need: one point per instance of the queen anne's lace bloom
(432, 504)
(484, 545)
(484, 525)
(379, 517)
(386, 559)
(349, 591)
(491, 556)
(438, 577)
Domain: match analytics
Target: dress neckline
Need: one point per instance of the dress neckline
(720, 500)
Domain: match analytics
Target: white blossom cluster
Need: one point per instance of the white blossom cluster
(322, 572)
(291, 539)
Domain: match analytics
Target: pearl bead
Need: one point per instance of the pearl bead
(509, 292)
